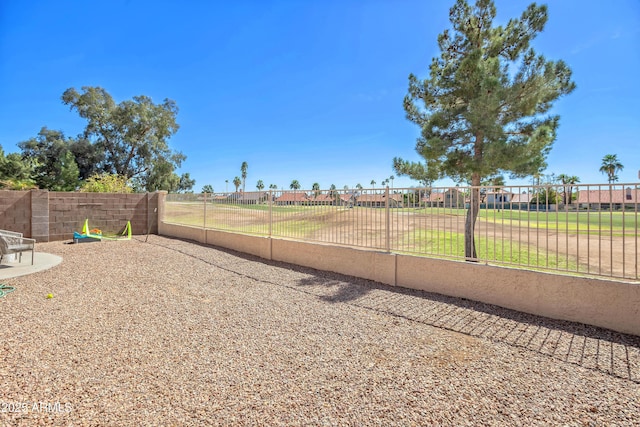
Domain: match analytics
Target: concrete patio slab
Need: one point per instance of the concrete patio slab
(41, 261)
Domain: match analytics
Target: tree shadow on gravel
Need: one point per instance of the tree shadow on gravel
(338, 291)
(591, 347)
(603, 350)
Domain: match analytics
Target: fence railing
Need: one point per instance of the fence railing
(576, 229)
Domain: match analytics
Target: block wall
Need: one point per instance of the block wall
(15, 211)
(50, 216)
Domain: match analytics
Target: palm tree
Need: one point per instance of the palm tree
(226, 185)
(237, 181)
(316, 188)
(295, 185)
(243, 172)
(260, 185)
(610, 166)
(273, 187)
(373, 183)
(568, 182)
(392, 178)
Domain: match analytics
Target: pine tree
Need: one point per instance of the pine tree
(484, 108)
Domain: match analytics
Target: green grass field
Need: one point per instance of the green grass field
(449, 244)
(583, 222)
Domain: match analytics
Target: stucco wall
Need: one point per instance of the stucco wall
(609, 304)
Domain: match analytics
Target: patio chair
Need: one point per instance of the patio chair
(14, 243)
(11, 233)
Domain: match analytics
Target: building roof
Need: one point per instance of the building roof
(293, 196)
(628, 195)
(323, 197)
(254, 195)
(439, 196)
(521, 198)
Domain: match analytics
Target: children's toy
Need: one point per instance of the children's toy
(95, 235)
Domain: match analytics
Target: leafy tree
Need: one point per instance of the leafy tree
(132, 134)
(359, 186)
(273, 186)
(88, 157)
(237, 181)
(15, 173)
(54, 167)
(496, 182)
(207, 188)
(415, 170)
(162, 177)
(295, 185)
(13, 167)
(567, 183)
(106, 183)
(332, 187)
(484, 108)
(544, 195)
(260, 185)
(611, 166)
(243, 173)
(185, 183)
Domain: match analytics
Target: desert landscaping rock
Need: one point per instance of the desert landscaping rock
(170, 332)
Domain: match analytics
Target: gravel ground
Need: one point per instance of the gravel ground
(169, 332)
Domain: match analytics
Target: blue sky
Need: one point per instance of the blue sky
(302, 89)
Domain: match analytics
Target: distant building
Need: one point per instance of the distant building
(292, 198)
(450, 198)
(379, 200)
(609, 199)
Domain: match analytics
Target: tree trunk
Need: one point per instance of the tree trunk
(470, 225)
(470, 253)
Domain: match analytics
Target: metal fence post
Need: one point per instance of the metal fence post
(204, 221)
(270, 211)
(387, 243)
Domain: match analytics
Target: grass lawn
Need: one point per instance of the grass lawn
(440, 243)
(618, 222)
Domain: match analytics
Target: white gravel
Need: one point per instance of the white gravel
(174, 333)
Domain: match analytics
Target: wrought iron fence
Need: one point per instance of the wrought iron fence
(576, 229)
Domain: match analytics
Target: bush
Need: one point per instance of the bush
(106, 183)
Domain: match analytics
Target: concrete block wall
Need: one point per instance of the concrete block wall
(50, 216)
(15, 211)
